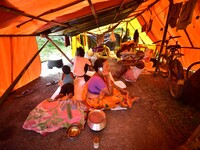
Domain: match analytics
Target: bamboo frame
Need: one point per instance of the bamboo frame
(188, 38)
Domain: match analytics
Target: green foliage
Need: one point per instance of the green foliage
(50, 50)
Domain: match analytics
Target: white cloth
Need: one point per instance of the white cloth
(56, 92)
(136, 71)
(120, 84)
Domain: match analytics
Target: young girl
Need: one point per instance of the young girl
(67, 75)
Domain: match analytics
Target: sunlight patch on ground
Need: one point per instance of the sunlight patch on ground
(46, 71)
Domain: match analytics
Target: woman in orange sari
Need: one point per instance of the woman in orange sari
(101, 92)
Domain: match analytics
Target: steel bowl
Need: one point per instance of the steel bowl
(96, 120)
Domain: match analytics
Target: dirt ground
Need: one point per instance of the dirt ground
(155, 122)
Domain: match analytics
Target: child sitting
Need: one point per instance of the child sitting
(66, 83)
(67, 75)
(81, 64)
(67, 91)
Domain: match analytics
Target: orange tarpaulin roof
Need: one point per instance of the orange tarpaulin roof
(27, 17)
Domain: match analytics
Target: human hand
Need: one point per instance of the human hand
(106, 70)
(60, 83)
(120, 62)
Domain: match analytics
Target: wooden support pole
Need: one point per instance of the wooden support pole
(121, 6)
(10, 88)
(188, 38)
(93, 12)
(164, 34)
(59, 49)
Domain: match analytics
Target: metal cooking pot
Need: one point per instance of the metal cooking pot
(96, 120)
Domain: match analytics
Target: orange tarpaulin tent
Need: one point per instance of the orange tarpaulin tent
(22, 20)
(15, 54)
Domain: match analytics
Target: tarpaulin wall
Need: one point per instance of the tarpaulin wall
(155, 20)
(15, 53)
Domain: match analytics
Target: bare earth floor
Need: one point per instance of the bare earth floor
(155, 122)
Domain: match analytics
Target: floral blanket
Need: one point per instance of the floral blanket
(51, 116)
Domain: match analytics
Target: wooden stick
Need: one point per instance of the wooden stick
(59, 49)
(93, 12)
(164, 34)
(188, 37)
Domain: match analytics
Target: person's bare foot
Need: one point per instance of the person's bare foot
(136, 98)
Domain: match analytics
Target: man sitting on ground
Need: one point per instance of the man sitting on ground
(131, 69)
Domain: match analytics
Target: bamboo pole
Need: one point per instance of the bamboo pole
(10, 88)
(93, 12)
(120, 7)
(164, 34)
(59, 49)
(188, 38)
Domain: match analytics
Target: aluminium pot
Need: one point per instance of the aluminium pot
(96, 120)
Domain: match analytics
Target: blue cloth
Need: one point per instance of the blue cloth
(68, 79)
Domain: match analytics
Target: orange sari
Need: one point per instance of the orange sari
(108, 102)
